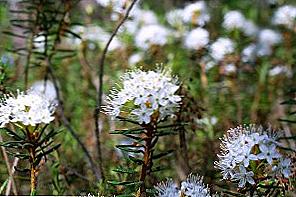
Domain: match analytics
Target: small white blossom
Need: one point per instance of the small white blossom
(167, 189)
(233, 20)
(151, 35)
(284, 167)
(143, 95)
(249, 53)
(280, 69)
(221, 47)
(243, 176)
(269, 37)
(229, 68)
(285, 15)
(250, 29)
(193, 186)
(268, 152)
(95, 34)
(135, 58)
(196, 39)
(196, 13)
(46, 88)
(174, 17)
(116, 5)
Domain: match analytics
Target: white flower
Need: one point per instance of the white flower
(263, 50)
(46, 88)
(143, 114)
(196, 13)
(229, 68)
(250, 29)
(151, 35)
(243, 176)
(221, 47)
(95, 34)
(280, 69)
(138, 19)
(269, 37)
(116, 5)
(167, 189)
(197, 39)
(234, 20)
(285, 15)
(268, 152)
(28, 109)
(193, 186)
(145, 17)
(238, 150)
(249, 53)
(174, 17)
(284, 167)
(135, 58)
(144, 94)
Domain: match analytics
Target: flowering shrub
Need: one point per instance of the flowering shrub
(250, 154)
(144, 96)
(235, 62)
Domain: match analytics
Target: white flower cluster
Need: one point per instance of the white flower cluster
(193, 186)
(151, 35)
(144, 95)
(116, 5)
(175, 17)
(196, 13)
(95, 34)
(286, 16)
(267, 38)
(26, 108)
(245, 144)
(221, 47)
(236, 20)
(197, 38)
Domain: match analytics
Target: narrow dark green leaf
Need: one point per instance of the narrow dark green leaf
(289, 102)
(125, 170)
(14, 35)
(65, 56)
(72, 33)
(125, 183)
(13, 134)
(138, 139)
(157, 156)
(48, 151)
(135, 160)
(128, 131)
(286, 120)
(164, 133)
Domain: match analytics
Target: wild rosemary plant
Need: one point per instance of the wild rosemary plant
(145, 99)
(25, 117)
(254, 157)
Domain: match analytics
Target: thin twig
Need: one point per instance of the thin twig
(64, 119)
(100, 90)
(11, 182)
(8, 168)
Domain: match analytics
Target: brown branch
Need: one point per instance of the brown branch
(11, 179)
(100, 90)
